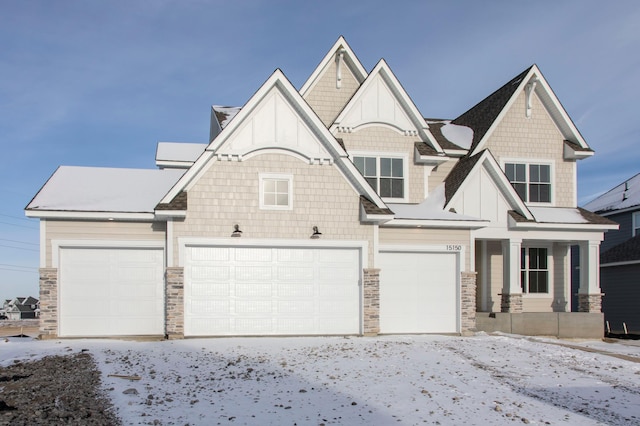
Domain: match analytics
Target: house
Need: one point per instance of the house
(21, 308)
(335, 209)
(620, 255)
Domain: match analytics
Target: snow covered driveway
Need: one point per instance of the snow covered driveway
(359, 380)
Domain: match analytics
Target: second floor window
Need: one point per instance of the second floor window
(635, 224)
(384, 174)
(532, 182)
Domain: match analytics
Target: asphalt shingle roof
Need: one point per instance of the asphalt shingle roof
(623, 252)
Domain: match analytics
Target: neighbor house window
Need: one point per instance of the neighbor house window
(532, 182)
(636, 224)
(276, 192)
(534, 270)
(384, 174)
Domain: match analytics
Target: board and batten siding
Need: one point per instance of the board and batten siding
(427, 237)
(614, 237)
(101, 230)
(621, 288)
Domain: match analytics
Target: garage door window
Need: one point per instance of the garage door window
(276, 192)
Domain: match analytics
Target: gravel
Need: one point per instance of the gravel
(60, 390)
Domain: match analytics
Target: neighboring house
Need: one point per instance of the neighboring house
(333, 209)
(620, 255)
(21, 308)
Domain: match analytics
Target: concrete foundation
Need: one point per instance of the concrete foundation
(564, 325)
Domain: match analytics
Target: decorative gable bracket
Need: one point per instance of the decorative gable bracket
(530, 89)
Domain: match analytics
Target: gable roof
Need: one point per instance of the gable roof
(487, 114)
(277, 85)
(625, 196)
(466, 168)
(414, 124)
(349, 58)
(77, 191)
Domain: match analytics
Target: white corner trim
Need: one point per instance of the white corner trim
(56, 245)
(169, 243)
(43, 243)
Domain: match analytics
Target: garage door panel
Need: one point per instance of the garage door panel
(418, 292)
(274, 291)
(111, 292)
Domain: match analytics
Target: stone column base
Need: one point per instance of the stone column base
(590, 302)
(371, 299)
(48, 303)
(174, 303)
(468, 302)
(511, 303)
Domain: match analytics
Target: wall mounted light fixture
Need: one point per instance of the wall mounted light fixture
(316, 234)
(236, 231)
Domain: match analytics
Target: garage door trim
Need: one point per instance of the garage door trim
(56, 245)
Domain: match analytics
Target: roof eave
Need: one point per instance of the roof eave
(80, 215)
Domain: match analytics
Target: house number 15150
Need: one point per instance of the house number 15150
(454, 247)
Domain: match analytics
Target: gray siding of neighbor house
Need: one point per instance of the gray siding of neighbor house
(615, 237)
(621, 301)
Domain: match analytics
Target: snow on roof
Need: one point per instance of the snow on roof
(623, 196)
(459, 135)
(97, 189)
(429, 209)
(224, 114)
(179, 151)
(557, 215)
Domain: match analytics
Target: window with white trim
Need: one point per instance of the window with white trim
(532, 182)
(534, 270)
(635, 219)
(384, 174)
(276, 192)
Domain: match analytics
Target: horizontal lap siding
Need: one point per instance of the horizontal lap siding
(422, 236)
(107, 230)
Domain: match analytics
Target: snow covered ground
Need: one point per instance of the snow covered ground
(480, 380)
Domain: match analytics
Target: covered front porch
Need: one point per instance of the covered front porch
(524, 284)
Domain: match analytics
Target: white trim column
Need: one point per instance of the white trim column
(589, 295)
(511, 287)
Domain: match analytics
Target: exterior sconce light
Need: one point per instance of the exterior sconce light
(316, 234)
(236, 231)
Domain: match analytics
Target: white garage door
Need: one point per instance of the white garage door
(111, 292)
(418, 292)
(271, 291)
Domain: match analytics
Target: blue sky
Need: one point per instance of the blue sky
(100, 83)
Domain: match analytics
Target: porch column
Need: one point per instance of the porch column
(589, 295)
(511, 288)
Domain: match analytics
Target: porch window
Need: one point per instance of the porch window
(532, 182)
(534, 271)
(384, 174)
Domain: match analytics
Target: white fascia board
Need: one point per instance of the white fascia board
(613, 212)
(456, 152)
(361, 73)
(170, 213)
(572, 154)
(375, 218)
(434, 223)
(166, 164)
(555, 226)
(628, 262)
(89, 215)
(433, 160)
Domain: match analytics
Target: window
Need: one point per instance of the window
(384, 174)
(534, 271)
(276, 192)
(532, 182)
(636, 224)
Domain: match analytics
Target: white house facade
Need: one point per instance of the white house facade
(336, 209)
